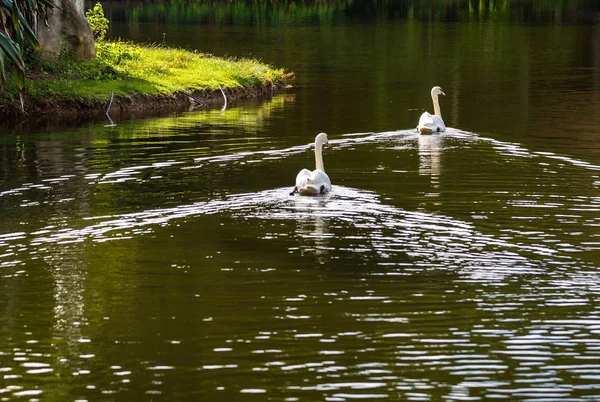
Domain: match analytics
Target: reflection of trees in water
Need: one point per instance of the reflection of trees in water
(248, 117)
(595, 55)
(327, 12)
(16, 160)
(31, 158)
(89, 288)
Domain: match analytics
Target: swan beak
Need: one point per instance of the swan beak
(442, 92)
(327, 144)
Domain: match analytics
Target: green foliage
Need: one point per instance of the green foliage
(99, 24)
(15, 35)
(113, 53)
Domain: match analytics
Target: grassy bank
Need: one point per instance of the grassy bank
(130, 70)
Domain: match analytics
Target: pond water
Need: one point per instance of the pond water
(163, 259)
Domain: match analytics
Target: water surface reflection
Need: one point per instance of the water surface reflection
(164, 259)
(367, 292)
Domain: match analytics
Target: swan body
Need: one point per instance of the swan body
(315, 182)
(432, 123)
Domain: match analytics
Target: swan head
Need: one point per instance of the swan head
(321, 140)
(435, 91)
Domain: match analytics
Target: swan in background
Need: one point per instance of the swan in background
(432, 123)
(315, 182)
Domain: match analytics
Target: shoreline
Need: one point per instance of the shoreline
(64, 111)
(135, 80)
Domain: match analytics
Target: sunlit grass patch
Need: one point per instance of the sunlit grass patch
(125, 68)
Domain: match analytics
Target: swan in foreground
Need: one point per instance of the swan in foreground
(432, 123)
(315, 182)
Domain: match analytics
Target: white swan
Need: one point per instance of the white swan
(432, 123)
(315, 182)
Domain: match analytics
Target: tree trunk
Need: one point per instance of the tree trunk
(68, 32)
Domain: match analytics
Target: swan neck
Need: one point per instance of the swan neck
(319, 156)
(436, 106)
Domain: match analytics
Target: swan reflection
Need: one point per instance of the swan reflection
(315, 233)
(312, 224)
(430, 159)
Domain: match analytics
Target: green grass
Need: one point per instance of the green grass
(126, 68)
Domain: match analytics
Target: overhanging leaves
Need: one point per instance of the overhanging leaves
(16, 17)
(2, 73)
(10, 48)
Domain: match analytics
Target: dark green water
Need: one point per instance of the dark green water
(163, 259)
